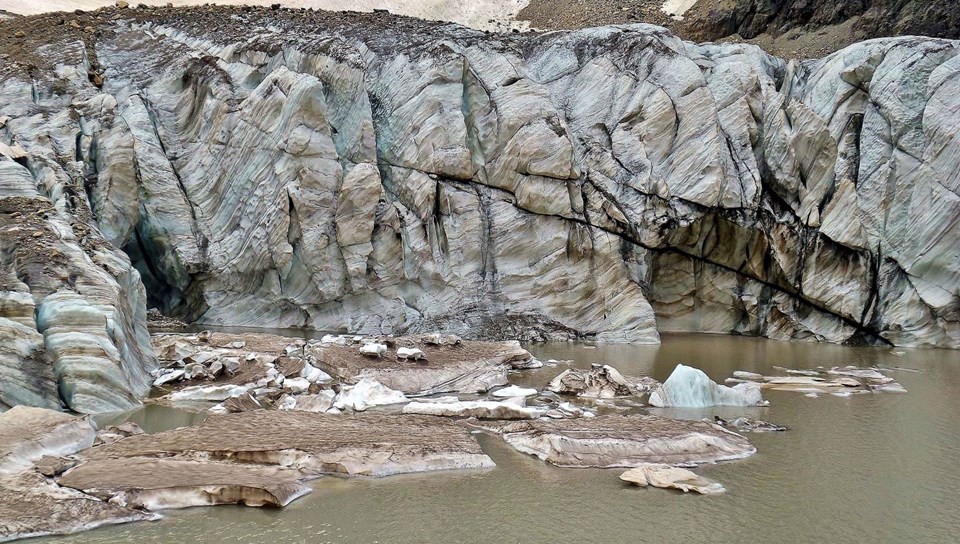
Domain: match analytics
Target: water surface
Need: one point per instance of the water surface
(878, 468)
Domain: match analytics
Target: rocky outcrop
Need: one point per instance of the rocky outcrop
(794, 28)
(375, 174)
(715, 19)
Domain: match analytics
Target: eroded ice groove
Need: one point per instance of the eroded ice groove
(376, 174)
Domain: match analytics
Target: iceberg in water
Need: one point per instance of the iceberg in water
(689, 387)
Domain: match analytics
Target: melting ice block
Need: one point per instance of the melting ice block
(689, 387)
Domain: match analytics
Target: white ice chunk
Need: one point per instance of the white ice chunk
(413, 354)
(689, 387)
(314, 374)
(373, 350)
(296, 385)
(514, 391)
(366, 393)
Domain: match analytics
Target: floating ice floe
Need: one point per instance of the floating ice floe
(670, 477)
(745, 424)
(842, 381)
(689, 387)
(608, 441)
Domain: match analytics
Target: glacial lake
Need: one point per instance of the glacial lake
(877, 468)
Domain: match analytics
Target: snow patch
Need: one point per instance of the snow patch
(676, 8)
(475, 14)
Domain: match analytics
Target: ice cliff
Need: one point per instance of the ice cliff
(375, 174)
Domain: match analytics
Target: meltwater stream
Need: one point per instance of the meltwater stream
(878, 468)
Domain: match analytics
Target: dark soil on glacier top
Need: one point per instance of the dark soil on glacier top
(787, 28)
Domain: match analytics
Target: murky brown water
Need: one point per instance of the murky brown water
(871, 468)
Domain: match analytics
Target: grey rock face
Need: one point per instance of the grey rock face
(874, 18)
(375, 174)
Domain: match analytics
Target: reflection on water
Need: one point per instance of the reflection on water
(154, 418)
(869, 468)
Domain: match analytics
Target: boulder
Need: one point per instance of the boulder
(314, 374)
(112, 433)
(241, 403)
(169, 376)
(296, 385)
